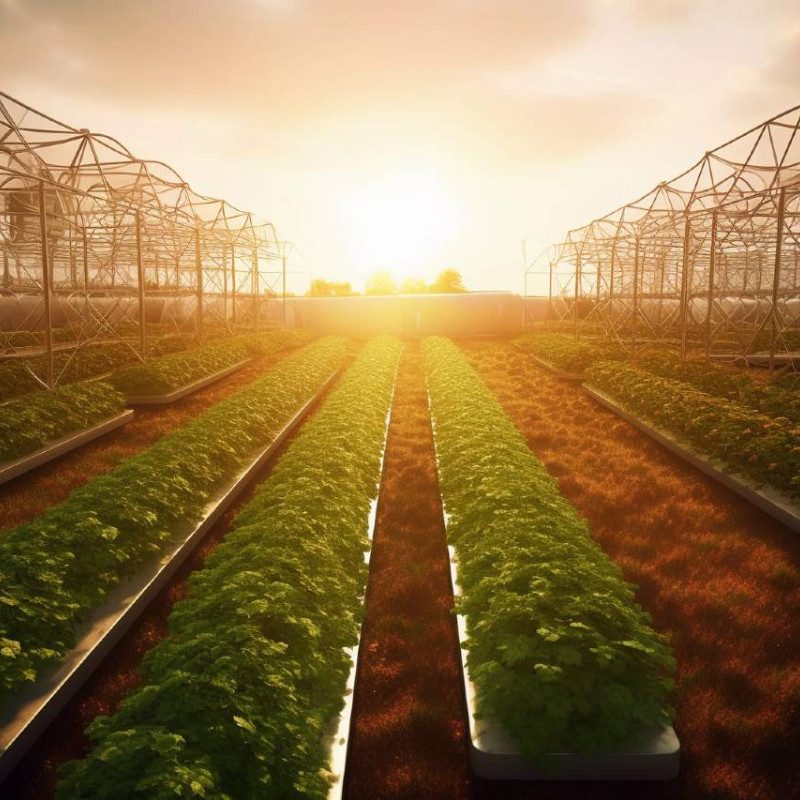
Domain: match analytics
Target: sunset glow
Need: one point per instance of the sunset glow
(397, 221)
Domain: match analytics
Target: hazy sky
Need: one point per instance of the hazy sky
(410, 135)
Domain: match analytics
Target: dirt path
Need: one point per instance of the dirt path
(36, 776)
(718, 576)
(30, 495)
(409, 729)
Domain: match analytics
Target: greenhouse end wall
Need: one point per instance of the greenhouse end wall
(467, 314)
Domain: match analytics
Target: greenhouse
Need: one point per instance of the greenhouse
(436, 543)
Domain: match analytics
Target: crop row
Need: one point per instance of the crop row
(166, 373)
(31, 422)
(87, 362)
(56, 568)
(566, 352)
(763, 448)
(778, 398)
(236, 699)
(562, 655)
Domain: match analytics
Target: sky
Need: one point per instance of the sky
(410, 136)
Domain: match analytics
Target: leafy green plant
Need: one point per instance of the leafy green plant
(55, 569)
(562, 655)
(565, 352)
(30, 422)
(172, 371)
(235, 701)
(763, 448)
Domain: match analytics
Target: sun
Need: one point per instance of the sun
(399, 222)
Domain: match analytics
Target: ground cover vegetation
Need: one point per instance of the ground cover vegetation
(762, 448)
(562, 654)
(719, 577)
(56, 568)
(31, 421)
(235, 701)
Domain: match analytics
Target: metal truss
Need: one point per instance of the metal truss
(706, 262)
(101, 247)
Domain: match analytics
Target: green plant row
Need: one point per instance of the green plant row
(562, 655)
(32, 421)
(56, 568)
(763, 448)
(776, 399)
(174, 370)
(92, 360)
(235, 701)
(565, 352)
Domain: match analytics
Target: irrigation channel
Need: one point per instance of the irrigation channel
(36, 774)
(30, 495)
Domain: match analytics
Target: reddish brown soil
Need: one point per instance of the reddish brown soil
(30, 495)
(409, 730)
(35, 777)
(719, 577)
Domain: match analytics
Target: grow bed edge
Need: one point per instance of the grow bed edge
(59, 447)
(187, 389)
(769, 500)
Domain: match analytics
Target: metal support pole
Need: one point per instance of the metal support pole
(711, 265)
(225, 287)
(611, 282)
(140, 286)
(47, 289)
(550, 299)
(86, 301)
(635, 320)
(233, 284)
(256, 296)
(776, 279)
(684, 301)
(198, 266)
(283, 282)
(578, 279)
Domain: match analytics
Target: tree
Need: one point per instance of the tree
(448, 280)
(381, 283)
(323, 288)
(413, 286)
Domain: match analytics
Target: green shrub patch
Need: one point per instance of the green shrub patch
(34, 420)
(562, 655)
(58, 567)
(235, 701)
(763, 448)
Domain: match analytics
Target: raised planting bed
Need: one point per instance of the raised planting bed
(236, 700)
(23, 722)
(58, 568)
(58, 447)
(184, 391)
(493, 753)
(775, 503)
(763, 449)
(562, 669)
(167, 378)
(43, 425)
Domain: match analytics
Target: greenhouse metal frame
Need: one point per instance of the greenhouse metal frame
(100, 246)
(708, 262)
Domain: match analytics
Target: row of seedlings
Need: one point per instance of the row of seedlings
(560, 656)
(236, 700)
(57, 568)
